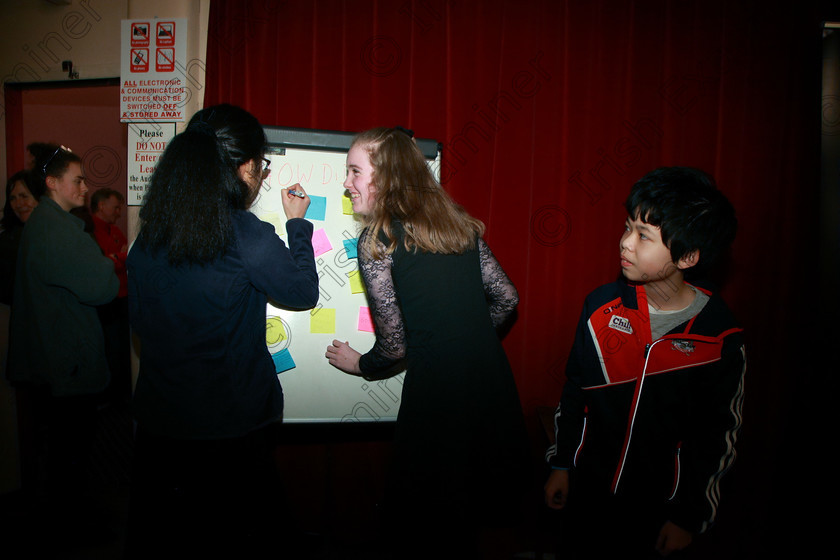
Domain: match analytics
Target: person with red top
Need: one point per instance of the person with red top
(105, 209)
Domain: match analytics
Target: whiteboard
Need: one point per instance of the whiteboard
(314, 390)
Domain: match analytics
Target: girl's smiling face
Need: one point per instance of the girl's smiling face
(359, 181)
(21, 201)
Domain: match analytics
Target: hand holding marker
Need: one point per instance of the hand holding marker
(296, 203)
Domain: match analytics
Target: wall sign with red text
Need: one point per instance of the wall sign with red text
(152, 77)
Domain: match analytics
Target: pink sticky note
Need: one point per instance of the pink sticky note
(320, 243)
(365, 320)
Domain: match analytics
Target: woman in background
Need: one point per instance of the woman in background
(437, 296)
(207, 395)
(19, 205)
(56, 350)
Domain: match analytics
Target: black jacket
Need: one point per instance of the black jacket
(651, 419)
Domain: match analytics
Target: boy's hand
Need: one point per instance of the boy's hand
(557, 489)
(672, 538)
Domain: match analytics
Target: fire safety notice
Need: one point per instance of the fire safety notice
(152, 87)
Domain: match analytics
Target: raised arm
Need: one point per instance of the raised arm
(287, 275)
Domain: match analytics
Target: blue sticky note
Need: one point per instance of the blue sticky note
(283, 361)
(350, 245)
(317, 208)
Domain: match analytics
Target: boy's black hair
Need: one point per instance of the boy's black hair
(689, 210)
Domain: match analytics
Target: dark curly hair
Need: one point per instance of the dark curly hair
(196, 185)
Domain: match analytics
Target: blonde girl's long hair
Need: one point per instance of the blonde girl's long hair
(407, 191)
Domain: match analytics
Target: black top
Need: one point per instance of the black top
(460, 426)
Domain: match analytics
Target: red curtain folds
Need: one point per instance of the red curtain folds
(548, 112)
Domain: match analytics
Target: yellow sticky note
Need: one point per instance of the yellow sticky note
(356, 285)
(346, 205)
(274, 219)
(322, 321)
(275, 332)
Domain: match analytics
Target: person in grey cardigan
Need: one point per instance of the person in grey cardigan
(56, 350)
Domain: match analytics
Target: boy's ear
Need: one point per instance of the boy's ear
(689, 260)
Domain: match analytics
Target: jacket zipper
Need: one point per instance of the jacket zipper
(677, 467)
(631, 421)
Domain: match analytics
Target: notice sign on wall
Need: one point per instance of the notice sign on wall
(152, 81)
(146, 142)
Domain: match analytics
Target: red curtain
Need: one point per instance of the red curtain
(548, 111)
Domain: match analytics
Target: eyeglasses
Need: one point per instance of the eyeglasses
(265, 169)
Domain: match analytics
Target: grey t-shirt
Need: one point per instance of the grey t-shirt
(661, 322)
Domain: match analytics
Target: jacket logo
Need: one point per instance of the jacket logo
(612, 308)
(684, 346)
(621, 324)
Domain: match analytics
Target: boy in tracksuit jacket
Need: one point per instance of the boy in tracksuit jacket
(651, 409)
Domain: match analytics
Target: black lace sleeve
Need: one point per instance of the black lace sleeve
(389, 349)
(502, 297)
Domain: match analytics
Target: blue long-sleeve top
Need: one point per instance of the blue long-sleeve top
(205, 369)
